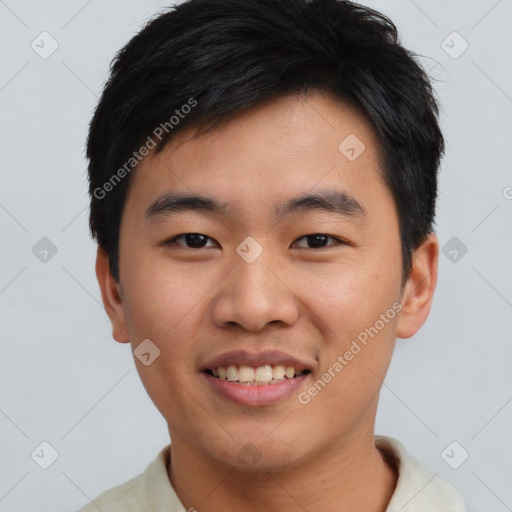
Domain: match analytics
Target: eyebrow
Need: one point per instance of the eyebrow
(325, 200)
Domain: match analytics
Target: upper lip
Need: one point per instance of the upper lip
(246, 358)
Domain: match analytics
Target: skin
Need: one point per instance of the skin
(195, 303)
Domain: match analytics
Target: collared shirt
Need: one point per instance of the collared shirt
(417, 489)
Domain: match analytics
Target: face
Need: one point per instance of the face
(260, 277)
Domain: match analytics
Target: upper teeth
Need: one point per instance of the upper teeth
(264, 373)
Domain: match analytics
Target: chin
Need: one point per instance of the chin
(249, 455)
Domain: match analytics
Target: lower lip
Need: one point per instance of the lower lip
(255, 395)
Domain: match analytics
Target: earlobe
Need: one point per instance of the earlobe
(419, 290)
(111, 296)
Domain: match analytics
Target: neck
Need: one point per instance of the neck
(350, 475)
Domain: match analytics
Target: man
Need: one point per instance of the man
(263, 185)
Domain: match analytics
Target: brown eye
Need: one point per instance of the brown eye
(192, 240)
(319, 240)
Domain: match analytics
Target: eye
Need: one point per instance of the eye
(317, 240)
(192, 240)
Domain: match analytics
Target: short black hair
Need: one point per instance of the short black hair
(201, 62)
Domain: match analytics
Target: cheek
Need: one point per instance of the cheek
(163, 305)
(348, 296)
(161, 295)
(352, 305)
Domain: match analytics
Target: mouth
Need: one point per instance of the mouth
(256, 379)
(263, 375)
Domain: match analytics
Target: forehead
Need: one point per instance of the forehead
(282, 148)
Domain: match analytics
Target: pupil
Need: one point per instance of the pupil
(317, 240)
(195, 240)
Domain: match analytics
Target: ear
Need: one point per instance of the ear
(419, 289)
(111, 296)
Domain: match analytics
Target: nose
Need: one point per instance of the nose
(254, 294)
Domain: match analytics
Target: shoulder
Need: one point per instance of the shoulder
(128, 497)
(148, 491)
(417, 490)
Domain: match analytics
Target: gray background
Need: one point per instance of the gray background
(66, 382)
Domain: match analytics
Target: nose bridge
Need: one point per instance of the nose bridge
(251, 261)
(255, 277)
(253, 294)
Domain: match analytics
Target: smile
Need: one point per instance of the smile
(255, 393)
(256, 376)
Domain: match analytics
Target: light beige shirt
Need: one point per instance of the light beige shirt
(417, 489)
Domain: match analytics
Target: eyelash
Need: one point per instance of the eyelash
(338, 240)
